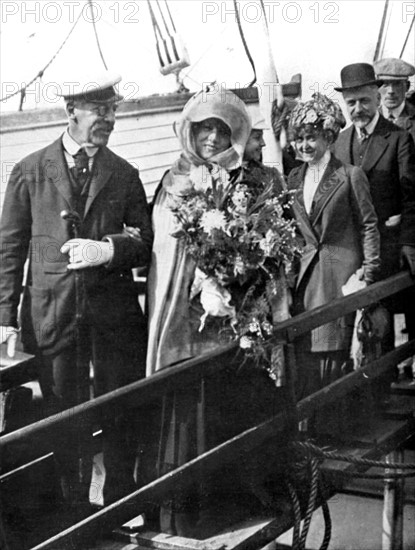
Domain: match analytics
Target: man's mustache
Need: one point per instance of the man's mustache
(105, 127)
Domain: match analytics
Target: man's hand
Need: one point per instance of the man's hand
(85, 253)
(133, 232)
(9, 334)
(408, 257)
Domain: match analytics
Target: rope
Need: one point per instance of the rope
(327, 525)
(41, 72)
(241, 32)
(407, 37)
(317, 451)
(297, 516)
(91, 7)
(314, 465)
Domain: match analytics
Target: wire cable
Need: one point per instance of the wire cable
(91, 8)
(171, 18)
(241, 32)
(381, 30)
(407, 36)
(41, 72)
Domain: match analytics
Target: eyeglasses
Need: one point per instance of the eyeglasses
(99, 110)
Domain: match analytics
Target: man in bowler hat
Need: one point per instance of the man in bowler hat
(386, 153)
(65, 209)
(394, 75)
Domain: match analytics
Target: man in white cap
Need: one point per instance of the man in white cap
(394, 74)
(253, 166)
(64, 209)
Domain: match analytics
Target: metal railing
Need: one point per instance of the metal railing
(187, 374)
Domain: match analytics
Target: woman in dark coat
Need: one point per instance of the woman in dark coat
(336, 218)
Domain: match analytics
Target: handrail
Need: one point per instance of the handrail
(188, 372)
(146, 390)
(304, 322)
(130, 506)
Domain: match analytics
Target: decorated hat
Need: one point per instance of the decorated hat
(392, 68)
(97, 88)
(319, 112)
(357, 75)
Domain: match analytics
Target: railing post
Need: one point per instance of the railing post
(392, 521)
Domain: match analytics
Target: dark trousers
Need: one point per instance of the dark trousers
(64, 380)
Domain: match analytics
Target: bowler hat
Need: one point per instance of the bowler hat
(357, 75)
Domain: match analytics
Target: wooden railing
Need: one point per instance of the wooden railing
(186, 375)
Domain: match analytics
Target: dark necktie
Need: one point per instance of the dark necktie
(391, 117)
(80, 171)
(363, 135)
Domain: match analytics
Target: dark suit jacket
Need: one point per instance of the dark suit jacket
(389, 164)
(340, 235)
(406, 119)
(38, 190)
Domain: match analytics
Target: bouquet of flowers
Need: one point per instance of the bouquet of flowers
(242, 243)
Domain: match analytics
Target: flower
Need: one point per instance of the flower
(211, 220)
(242, 243)
(245, 342)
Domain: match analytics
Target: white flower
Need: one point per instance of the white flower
(254, 327)
(267, 327)
(240, 201)
(239, 267)
(266, 244)
(214, 219)
(245, 342)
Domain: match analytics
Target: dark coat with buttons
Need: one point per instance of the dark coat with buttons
(32, 227)
(406, 119)
(389, 164)
(340, 236)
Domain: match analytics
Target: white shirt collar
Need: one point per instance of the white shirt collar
(72, 147)
(312, 179)
(395, 112)
(371, 126)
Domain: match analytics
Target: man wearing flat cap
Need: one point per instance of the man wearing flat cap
(386, 153)
(64, 210)
(394, 75)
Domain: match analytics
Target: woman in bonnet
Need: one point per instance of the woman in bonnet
(213, 130)
(336, 217)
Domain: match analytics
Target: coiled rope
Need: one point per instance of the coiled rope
(314, 456)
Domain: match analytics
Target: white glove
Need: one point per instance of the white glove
(9, 335)
(85, 253)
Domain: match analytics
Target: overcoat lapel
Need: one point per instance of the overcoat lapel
(328, 185)
(100, 175)
(56, 171)
(378, 143)
(298, 184)
(345, 142)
